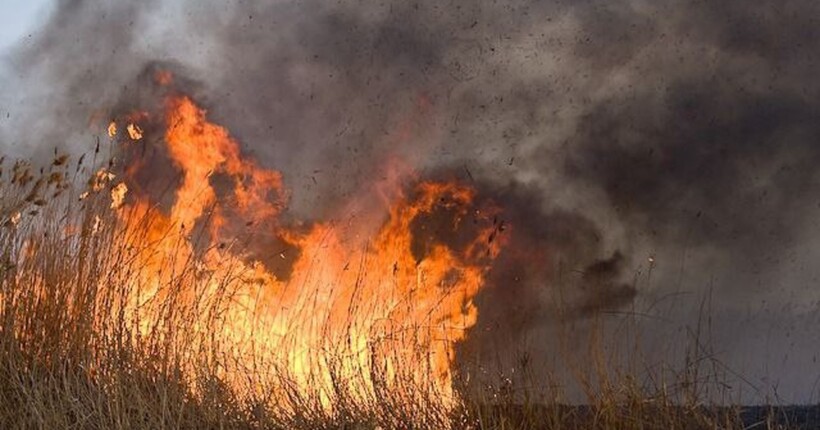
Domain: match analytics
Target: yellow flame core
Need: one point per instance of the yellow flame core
(351, 308)
(118, 195)
(134, 132)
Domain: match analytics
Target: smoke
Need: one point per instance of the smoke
(611, 133)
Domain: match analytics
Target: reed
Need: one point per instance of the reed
(83, 344)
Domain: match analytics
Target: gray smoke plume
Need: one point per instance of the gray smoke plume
(645, 153)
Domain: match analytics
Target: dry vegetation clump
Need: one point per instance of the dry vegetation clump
(77, 350)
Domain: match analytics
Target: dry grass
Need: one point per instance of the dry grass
(73, 356)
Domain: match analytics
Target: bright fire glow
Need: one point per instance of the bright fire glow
(134, 131)
(356, 302)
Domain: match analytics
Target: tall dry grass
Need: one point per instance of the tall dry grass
(76, 352)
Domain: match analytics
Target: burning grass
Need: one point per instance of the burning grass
(109, 320)
(124, 307)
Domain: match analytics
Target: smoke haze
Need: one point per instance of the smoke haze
(647, 154)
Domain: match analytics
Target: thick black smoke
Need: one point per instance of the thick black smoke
(641, 149)
(718, 148)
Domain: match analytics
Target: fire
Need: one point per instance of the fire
(201, 149)
(134, 131)
(118, 195)
(355, 303)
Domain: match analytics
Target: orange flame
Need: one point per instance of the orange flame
(382, 296)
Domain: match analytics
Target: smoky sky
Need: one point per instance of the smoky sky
(614, 132)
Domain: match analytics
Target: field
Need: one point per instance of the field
(90, 338)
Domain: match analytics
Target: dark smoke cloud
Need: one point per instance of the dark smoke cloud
(611, 131)
(713, 147)
(710, 164)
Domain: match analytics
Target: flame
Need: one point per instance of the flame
(100, 179)
(134, 132)
(14, 219)
(379, 301)
(118, 195)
